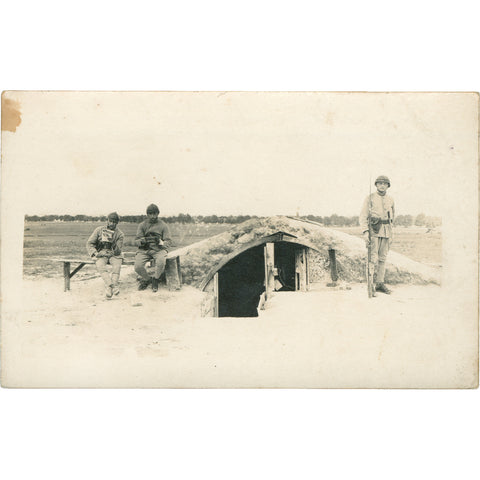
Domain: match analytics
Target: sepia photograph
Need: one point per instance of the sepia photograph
(239, 240)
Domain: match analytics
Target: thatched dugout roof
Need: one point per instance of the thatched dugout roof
(199, 259)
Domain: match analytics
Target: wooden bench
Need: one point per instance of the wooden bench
(173, 274)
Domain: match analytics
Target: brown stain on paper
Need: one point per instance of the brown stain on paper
(11, 115)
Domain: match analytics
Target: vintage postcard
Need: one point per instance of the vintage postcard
(239, 239)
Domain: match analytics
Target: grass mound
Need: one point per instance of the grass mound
(199, 258)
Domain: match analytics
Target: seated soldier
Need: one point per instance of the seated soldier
(153, 240)
(105, 245)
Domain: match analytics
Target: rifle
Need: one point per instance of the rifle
(369, 254)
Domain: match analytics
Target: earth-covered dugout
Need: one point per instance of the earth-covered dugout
(282, 253)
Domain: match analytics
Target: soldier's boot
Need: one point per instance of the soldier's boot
(154, 284)
(108, 284)
(381, 287)
(115, 287)
(143, 284)
(108, 291)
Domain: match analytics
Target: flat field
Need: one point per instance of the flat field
(418, 243)
(45, 241)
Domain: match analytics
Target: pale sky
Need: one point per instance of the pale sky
(235, 153)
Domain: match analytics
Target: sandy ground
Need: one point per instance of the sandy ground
(320, 338)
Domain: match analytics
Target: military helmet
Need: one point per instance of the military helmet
(383, 178)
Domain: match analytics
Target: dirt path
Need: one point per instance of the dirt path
(321, 338)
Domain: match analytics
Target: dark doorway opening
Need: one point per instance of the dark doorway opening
(240, 284)
(285, 265)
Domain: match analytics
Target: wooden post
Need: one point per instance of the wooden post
(179, 270)
(307, 268)
(66, 276)
(261, 302)
(172, 274)
(269, 258)
(215, 295)
(300, 270)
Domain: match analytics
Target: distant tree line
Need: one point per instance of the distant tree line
(333, 220)
(420, 220)
(181, 218)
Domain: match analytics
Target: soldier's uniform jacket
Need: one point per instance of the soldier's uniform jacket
(147, 233)
(382, 208)
(105, 242)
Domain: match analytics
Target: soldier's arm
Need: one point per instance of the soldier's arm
(119, 243)
(363, 218)
(140, 237)
(92, 242)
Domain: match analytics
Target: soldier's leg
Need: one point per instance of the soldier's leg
(160, 261)
(101, 264)
(141, 258)
(116, 264)
(384, 244)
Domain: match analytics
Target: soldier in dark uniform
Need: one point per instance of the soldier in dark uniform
(380, 208)
(153, 241)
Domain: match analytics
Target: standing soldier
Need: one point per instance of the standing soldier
(378, 211)
(105, 245)
(153, 240)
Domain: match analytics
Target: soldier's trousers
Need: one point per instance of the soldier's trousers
(378, 257)
(116, 263)
(141, 258)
